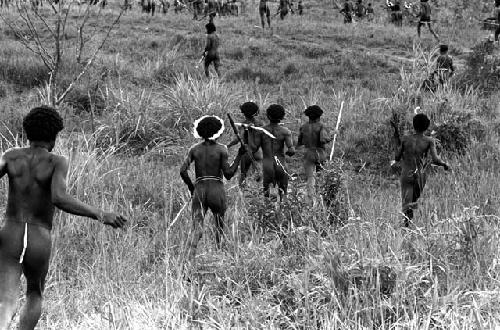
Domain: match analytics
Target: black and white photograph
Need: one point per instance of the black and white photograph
(249, 164)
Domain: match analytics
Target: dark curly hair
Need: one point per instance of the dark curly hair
(313, 112)
(208, 127)
(42, 124)
(275, 113)
(421, 122)
(249, 109)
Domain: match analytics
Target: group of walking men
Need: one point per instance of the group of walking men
(264, 148)
(396, 13)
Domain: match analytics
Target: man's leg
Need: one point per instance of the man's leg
(261, 14)
(282, 180)
(217, 66)
(199, 210)
(35, 268)
(245, 164)
(207, 66)
(419, 26)
(407, 189)
(432, 31)
(10, 272)
(216, 202)
(309, 168)
(268, 15)
(268, 175)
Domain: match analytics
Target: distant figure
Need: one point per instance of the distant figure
(347, 11)
(211, 165)
(360, 10)
(413, 152)
(314, 136)
(37, 185)
(250, 110)
(425, 18)
(197, 8)
(300, 7)
(396, 12)
(283, 8)
(273, 149)
(444, 65)
(264, 11)
(497, 15)
(370, 14)
(211, 52)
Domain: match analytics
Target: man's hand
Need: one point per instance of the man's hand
(290, 153)
(112, 219)
(242, 150)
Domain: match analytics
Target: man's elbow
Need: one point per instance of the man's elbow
(58, 199)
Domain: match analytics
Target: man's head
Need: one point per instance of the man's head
(249, 109)
(275, 113)
(210, 28)
(42, 124)
(208, 128)
(313, 112)
(421, 123)
(443, 49)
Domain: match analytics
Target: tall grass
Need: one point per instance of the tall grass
(281, 267)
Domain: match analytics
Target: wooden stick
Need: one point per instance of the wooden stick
(336, 129)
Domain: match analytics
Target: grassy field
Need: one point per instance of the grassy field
(359, 271)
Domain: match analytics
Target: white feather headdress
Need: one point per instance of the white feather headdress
(213, 137)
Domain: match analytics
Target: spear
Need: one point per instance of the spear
(336, 130)
(235, 130)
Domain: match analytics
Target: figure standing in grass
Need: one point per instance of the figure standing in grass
(250, 110)
(425, 18)
(444, 65)
(313, 136)
(370, 14)
(347, 10)
(264, 11)
(211, 165)
(211, 52)
(497, 16)
(300, 8)
(37, 184)
(413, 153)
(273, 148)
(283, 8)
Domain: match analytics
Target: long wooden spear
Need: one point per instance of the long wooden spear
(336, 130)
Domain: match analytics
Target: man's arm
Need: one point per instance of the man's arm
(435, 158)
(184, 170)
(65, 202)
(230, 170)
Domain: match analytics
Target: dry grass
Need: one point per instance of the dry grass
(306, 272)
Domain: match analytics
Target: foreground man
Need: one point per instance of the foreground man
(211, 164)
(37, 184)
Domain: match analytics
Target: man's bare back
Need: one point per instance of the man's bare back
(210, 159)
(30, 182)
(414, 151)
(37, 184)
(275, 147)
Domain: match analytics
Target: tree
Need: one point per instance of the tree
(58, 34)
